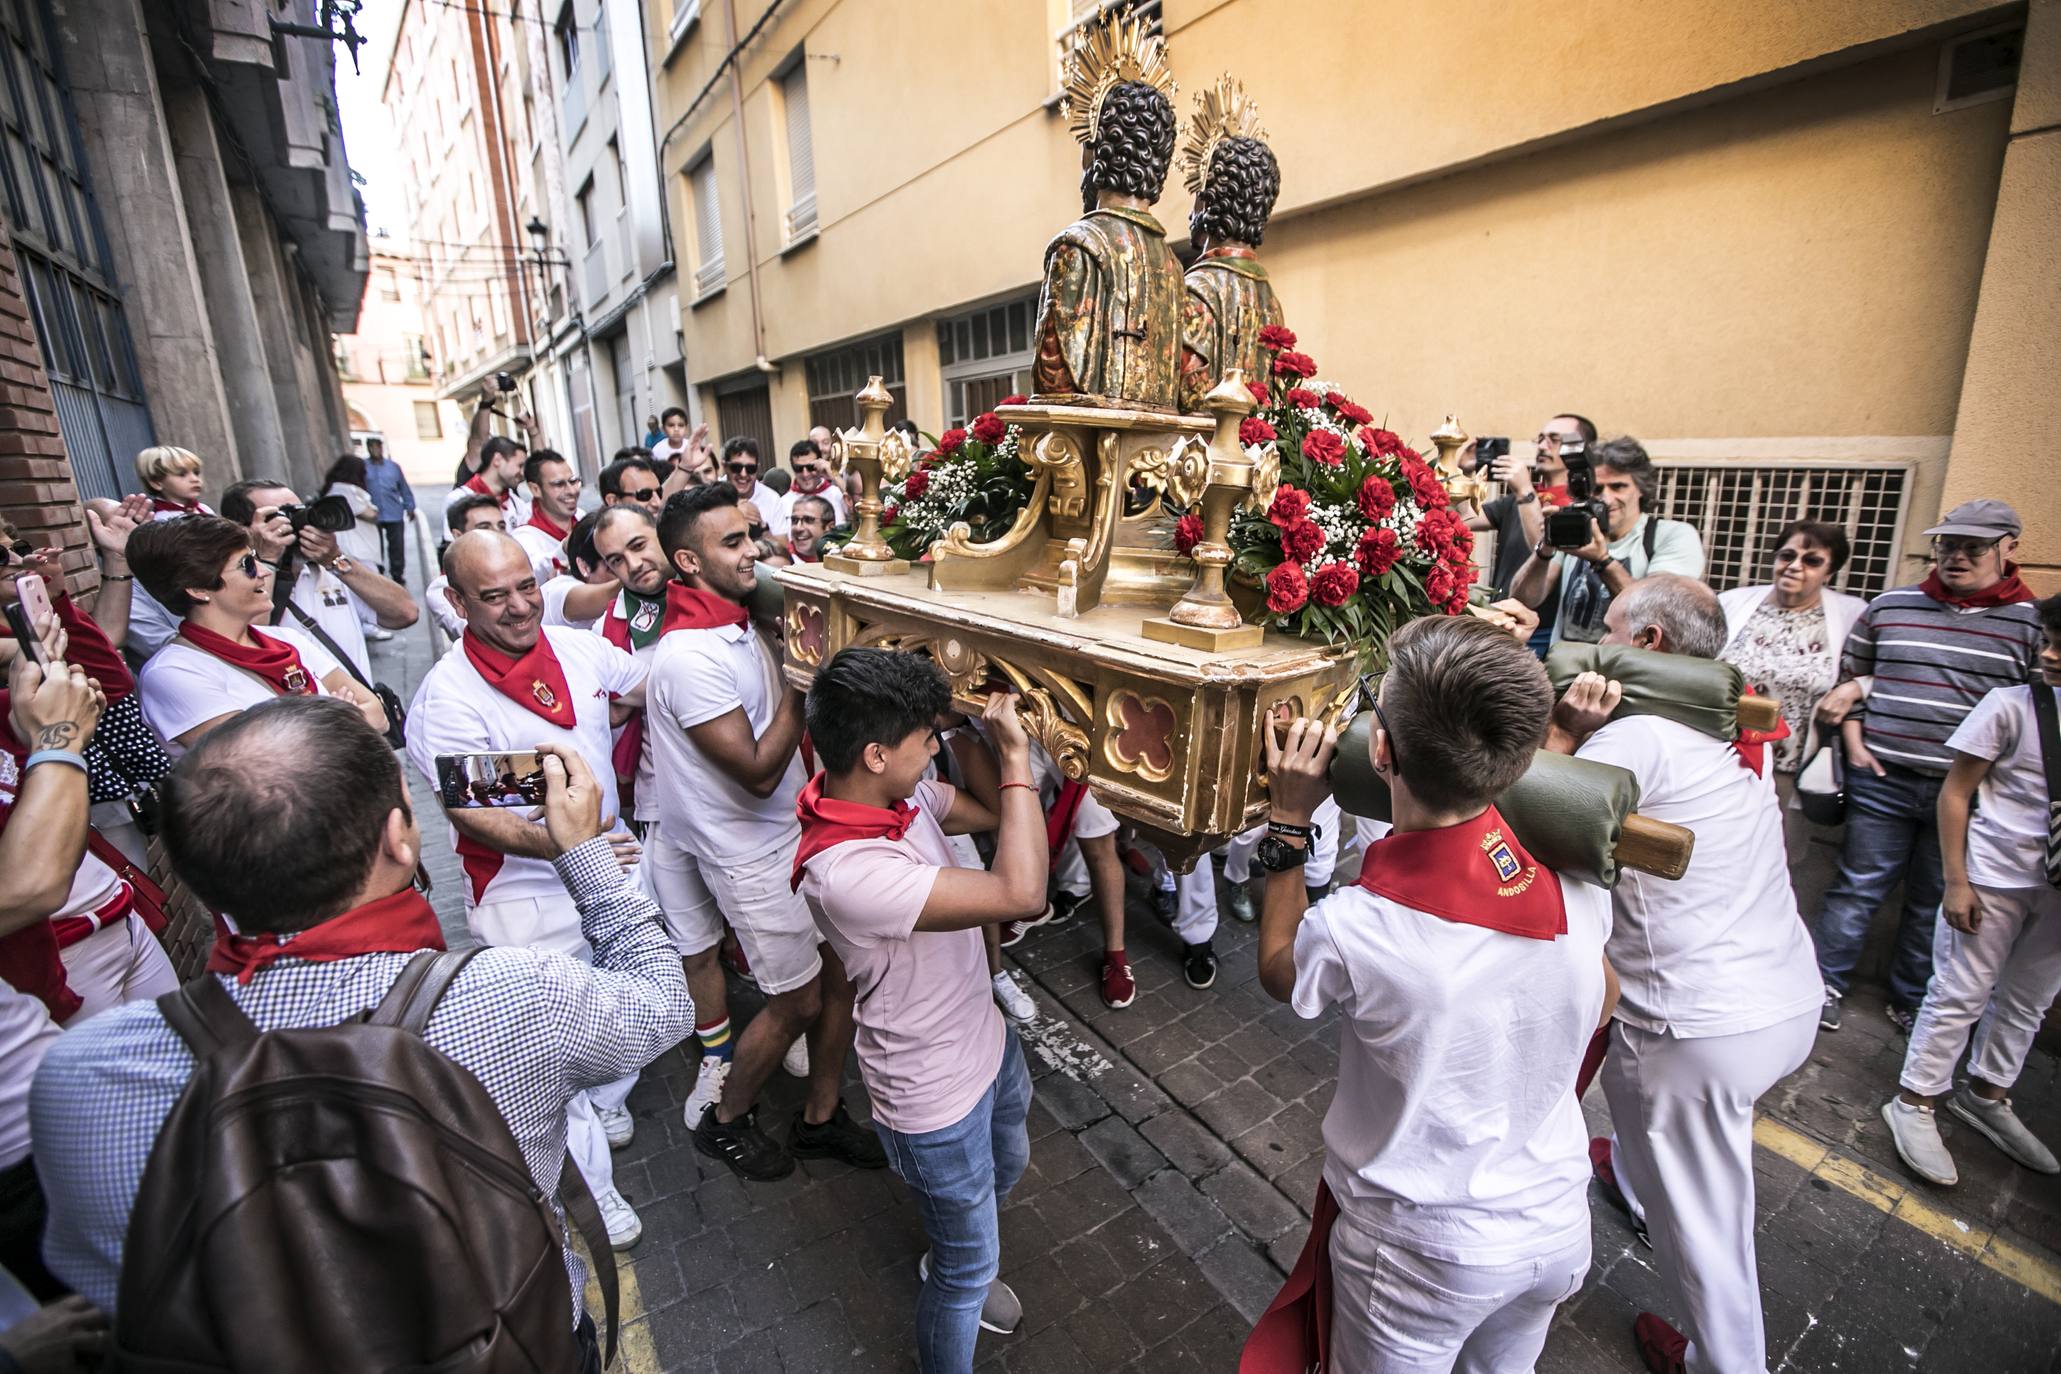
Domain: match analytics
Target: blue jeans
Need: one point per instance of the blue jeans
(960, 1175)
(1892, 832)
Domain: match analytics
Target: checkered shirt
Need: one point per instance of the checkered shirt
(534, 1027)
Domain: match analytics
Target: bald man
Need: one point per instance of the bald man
(518, 684)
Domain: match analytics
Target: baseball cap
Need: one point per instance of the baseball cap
(1984, 519)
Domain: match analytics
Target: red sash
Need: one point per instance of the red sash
(398, 924)
(1066, 809)
(543, 522)
(160, 506)
(1293, 1336)
(274, 660)
(827, 822)
(1752, 745)
(2008, 592)
(534, 682)
(478, 483)
(1475, 873)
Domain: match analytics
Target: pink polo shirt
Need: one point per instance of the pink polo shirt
(929, 1035)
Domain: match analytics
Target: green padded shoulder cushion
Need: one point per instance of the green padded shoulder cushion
(767, 599)
(1700, 693)
(1568, 812)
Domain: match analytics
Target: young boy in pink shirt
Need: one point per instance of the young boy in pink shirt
(949, 1087)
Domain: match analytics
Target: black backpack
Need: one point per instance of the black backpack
(344, 1198)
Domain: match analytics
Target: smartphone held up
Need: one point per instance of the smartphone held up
(471, 781)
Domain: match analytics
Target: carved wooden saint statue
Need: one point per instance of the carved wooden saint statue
(1235, 179)
(1109, 313)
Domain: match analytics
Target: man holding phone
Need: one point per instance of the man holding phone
(516, 685)
(1532, 487)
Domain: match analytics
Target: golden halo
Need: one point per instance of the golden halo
(1221, 111)
(1115, 48)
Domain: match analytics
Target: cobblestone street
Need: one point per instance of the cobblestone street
(1176, 1149)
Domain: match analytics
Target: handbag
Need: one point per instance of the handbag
(1821, 783)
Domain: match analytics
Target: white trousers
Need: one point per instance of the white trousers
(1397, 1312)
(554, 923)
(1324, 854)
(120, 962)
(2006, 974)
(1683, 1110)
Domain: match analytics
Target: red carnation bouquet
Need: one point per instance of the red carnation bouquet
(1358, 536)
(973, 474)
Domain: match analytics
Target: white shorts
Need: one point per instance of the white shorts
(673, 878)
(551, 923)
(772, 921)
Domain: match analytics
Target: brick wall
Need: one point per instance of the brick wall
(36, 491)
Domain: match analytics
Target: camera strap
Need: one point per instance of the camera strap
(388, 698)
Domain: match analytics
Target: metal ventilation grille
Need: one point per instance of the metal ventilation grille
(1740, 508)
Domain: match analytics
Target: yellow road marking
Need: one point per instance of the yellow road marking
(1977, 1240)
(635, 1351)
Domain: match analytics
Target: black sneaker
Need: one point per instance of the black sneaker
(1828, 1016)
(749, 1151)
(838, 1138)
(1063, 905)
(1901, 1017)
(1199, 964)
(1163, 905)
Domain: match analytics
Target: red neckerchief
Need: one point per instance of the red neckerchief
(1475, 873)
(1752, 745)
(826, 821)
(274, 660)
(534, 682)
(159, 505)
(1552, 496)
(628, 749)
(2007, 592)
(543, 522)
(88, 648)
(478, 483)
(691, 608)
(400, 924)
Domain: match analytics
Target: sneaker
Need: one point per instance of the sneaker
(708, 1088)
(1661, 1346)
(1016, 1004)
(1062, 906)
(1900, 1017)
(1604, 1167)
(1119, 988)
(624, 1226)
(1163, 905)
(379, 634)
(1012, 932)
(1916, 1133)
(796, 1060)
(617, 1124)
(2005, 1131)
(1828, 1016)
(1240, 904)
(1199, 964)
(1002, 1313)
(749, 1151)
(838, 1138)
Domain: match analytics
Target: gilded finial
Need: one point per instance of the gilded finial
(1221, 111)
(1117, 48)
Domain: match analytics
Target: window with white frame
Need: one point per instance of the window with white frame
(801, 150)
(985, 355)
(708, 226)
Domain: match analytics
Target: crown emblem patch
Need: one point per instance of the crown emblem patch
(546, 698)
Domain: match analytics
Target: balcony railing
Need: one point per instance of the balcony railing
(595, 272)
(801, 218)
(709, 277)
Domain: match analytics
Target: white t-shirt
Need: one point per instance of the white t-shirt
(547, 555)
(323, 595)
(26, 1031)
(443, 612)
(2007, 834)
(515, 511)
(555, 592)
(771, 508)
(456, 711)
(1720, 950)
(1454, 1129)
(182, 686)
(698, 676)
(829, 493)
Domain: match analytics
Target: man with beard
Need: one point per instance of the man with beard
(554, 508)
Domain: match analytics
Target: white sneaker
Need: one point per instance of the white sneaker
(708, 1088)
(796, 1060)
(624, 1226)
(1996, 1120)
(1016, 1003)
(617, 1124)
(1916, 1133)
(1002, 1313)
(379, 634)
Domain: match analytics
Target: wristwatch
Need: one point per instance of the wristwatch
(342, 565)
(1276, 855)
(1529, 498)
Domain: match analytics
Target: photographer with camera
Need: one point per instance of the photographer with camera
(473, 464)
(300, 543)
(1532, 487)
(1603, 540)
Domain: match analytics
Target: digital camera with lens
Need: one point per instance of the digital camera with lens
(330, 514)
(1568, 527)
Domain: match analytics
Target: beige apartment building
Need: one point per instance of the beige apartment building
(1805, 252)
(385, 365)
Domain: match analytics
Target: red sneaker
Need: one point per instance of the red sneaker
(1119, 988)
(1605, 1170)
(1012, 933)
(1660, 1345)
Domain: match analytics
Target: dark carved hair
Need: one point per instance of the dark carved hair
(1134, 144)
(1239, 195)
(168, 556)
(871, 696)
(683, 511)
(252, 837)
(1469, 706)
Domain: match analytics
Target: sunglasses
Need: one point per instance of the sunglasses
(648, 494)
(1809, 558)
(249, 566)
(1943, 547)
(1370, 700)
(742, 467)
(21, 548)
